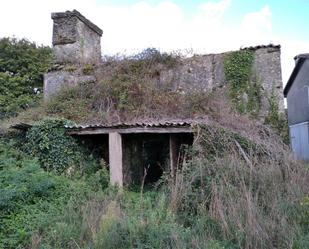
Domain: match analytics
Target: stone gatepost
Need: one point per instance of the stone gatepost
(76, 49)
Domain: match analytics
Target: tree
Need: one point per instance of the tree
(22, 65)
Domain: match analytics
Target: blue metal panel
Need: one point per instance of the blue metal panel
(299, 135)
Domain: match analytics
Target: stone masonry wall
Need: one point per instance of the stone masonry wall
(61, 76)
(75, 39)
(206, 72)
(76, 47)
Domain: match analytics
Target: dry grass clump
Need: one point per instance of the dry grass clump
(250, 191)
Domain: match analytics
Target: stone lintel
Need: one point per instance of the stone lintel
(75, 13)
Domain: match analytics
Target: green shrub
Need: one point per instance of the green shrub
(35, 203)
(99, 180)
(22, 65)
(27, 194)
(88, 69)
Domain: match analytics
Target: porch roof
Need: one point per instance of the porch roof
(161, 126)
(170, 126)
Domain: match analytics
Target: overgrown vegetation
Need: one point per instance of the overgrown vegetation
(57, 151)
(244, 93)
(237, 187)
(22, 65)
(277, 120)
(128, 89)
(251, 191)
(229, 192)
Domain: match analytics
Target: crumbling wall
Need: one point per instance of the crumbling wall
(75, 39)
(200, 73)
(267, 68)
(62, 76)
(206, 72)
(76, 49)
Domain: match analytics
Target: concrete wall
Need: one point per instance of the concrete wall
(200, 72)
(298, 97)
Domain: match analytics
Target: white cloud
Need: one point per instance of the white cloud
(164, 25)
(291, 48)
(256, 27)
(214, 10)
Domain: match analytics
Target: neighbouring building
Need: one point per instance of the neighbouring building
(296, 92)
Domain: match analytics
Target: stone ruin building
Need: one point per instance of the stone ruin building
(76, 46)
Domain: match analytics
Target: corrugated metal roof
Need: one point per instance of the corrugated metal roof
(160, 123)
(161, 126)
(125, 125)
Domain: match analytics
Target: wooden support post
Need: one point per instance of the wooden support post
(115, 159)
(174, 151)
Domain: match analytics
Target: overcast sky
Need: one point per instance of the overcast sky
(199, 25)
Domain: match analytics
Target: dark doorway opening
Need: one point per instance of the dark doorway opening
(155, 156)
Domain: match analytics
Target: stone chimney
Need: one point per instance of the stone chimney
(76, 49)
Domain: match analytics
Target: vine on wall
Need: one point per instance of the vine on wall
(47, 140)
(276, 119)
(244, 93)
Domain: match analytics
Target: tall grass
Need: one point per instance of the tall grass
(229, 192)
(251, 191)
